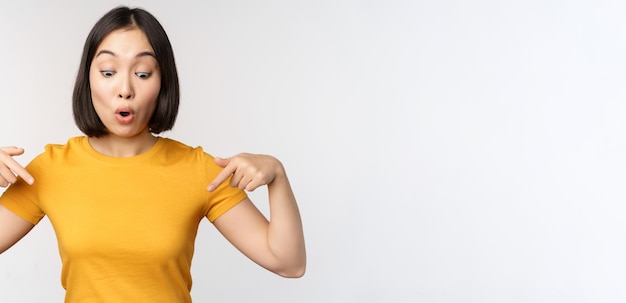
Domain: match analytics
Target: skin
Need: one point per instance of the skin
(12, 227)
(124, 76)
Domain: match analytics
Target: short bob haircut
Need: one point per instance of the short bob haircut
(166, 110)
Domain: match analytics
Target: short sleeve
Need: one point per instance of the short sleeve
(21, 198)
(224, 197)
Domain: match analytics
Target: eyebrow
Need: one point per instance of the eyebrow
(142, 54)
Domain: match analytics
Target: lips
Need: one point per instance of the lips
(124, 115)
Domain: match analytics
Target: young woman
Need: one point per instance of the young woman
(125, 204)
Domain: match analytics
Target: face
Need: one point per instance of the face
(125, 81)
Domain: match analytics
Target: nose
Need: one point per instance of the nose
(125, 88)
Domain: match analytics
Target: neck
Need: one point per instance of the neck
(123, 147)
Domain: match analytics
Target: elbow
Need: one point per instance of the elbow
(289, 265)
(293, 272)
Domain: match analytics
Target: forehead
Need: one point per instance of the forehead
(125, 42)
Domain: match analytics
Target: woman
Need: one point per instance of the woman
(126, 204)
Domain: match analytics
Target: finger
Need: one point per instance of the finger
(12, 150)
(235, 180)
(21, 171)
(221, 162)
(243, 182)
(221, 177)
(14, 166)
(254, 184)
(7, 176)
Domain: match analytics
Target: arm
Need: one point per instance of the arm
(12, 227)
(277, 244)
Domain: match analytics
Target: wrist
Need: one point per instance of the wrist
(279, 172)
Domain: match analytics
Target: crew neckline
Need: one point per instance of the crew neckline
(154, 149)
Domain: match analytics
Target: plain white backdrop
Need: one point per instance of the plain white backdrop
(441, 151)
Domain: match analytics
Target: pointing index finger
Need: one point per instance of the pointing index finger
(221, 177)
(20, 171)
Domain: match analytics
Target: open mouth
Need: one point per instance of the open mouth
(125, 115)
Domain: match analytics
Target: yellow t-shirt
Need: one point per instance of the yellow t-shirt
(125, 226)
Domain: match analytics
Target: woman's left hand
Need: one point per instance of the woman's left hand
(248, 171)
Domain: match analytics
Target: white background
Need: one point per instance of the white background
(441, 151)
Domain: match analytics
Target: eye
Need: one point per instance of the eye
(143, 75)
(107, 73)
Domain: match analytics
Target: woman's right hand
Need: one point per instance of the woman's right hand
(10, 169)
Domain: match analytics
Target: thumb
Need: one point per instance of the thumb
(221, 162)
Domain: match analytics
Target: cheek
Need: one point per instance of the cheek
(153, 92)
(96, 89)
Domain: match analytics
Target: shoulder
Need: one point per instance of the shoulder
(71, 144)
(55, 155)
(54, 152)
(192, 160)
(173, 149)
